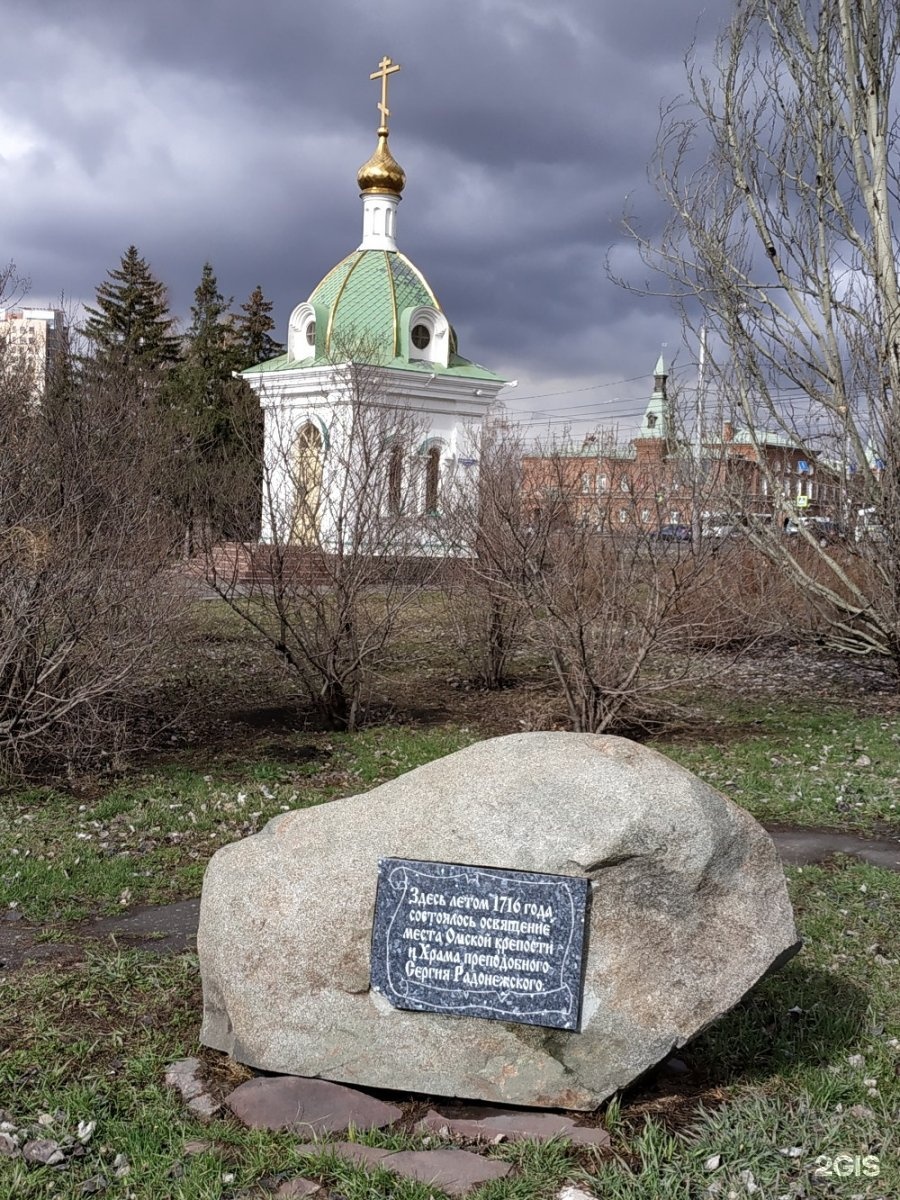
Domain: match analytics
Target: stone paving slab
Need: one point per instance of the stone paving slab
(298, 1187)
(362, 1156)
(291, 1102)
(184, 1077)
(352, 1152)
(456, 1172)
(490, 1124)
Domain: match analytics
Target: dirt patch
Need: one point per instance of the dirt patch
(163, 929)
(800, 847)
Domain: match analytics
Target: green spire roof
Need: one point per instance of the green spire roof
(656, 418)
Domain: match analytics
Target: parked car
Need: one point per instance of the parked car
(823, 529)
(673, 533)
(868, 526)
(720, 525)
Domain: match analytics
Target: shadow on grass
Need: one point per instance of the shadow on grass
(802, 1018)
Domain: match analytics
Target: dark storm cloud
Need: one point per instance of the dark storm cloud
(232, 132)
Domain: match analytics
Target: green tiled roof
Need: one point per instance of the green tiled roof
(364, 296)
(459, 367)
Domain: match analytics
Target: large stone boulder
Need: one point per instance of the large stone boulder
(688, 910)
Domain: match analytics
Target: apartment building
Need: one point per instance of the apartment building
(30, 340)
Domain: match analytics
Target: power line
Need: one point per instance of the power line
(591, 387)
(610, 418)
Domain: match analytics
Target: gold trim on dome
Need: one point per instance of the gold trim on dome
(325, 278)
(396, 320)
(337, 299)
(424, 282)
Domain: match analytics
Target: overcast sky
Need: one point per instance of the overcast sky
(231, 131)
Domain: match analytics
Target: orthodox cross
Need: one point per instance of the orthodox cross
(385, 68)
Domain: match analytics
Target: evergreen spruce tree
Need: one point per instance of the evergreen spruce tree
(254, 327)
(131, 320)
(202, 387)
(209, 332)
(217, 418)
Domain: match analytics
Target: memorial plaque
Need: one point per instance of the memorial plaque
(472, 941)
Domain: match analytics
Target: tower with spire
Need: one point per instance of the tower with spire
(373, 310)
(657, 422)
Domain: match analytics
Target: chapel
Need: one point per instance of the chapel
(370, 344)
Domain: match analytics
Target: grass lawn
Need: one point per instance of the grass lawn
(807, 763)
(803, 1072)
(147, 838)
(803, 1077)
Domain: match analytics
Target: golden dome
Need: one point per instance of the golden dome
(382, 173)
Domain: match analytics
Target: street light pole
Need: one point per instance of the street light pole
(696, 522)
(701, 393)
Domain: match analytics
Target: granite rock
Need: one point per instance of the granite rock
(688, 911)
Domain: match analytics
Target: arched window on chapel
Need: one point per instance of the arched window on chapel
(307, 484)
(432, 479)
(395, 480)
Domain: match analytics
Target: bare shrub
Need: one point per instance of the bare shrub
(751, 601)
(84, 545)
(349, 542)
(611, 608)
(842, 592)
(485, 615)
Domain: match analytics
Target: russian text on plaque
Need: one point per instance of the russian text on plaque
(473, 941)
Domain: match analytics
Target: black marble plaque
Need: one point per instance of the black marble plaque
(472, 941)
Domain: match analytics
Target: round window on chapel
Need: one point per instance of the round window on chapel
(311, 333)
(421, 336)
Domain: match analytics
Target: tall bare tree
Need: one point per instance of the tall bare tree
(781, 169)
(483, 609)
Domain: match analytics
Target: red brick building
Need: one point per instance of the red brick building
(657, 479)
